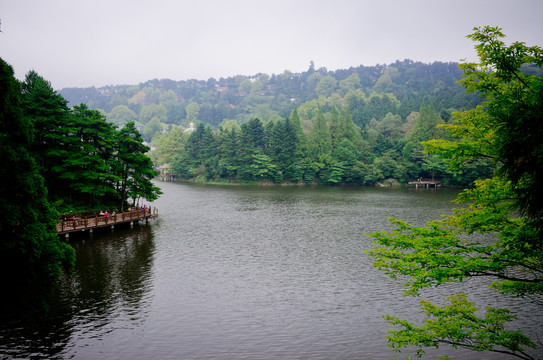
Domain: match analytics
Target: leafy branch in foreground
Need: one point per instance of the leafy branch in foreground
(441, 252)
(458, 325)
(444, 252)
(498, 233)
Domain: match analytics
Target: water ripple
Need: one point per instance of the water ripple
(246, 273)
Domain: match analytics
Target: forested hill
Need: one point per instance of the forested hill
(369, 92)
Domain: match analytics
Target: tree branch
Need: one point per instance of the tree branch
(520, 354)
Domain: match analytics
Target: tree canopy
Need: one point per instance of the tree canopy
(86, 162)
(369, 91)
(388, 110)
(506, 129)
(31, 254)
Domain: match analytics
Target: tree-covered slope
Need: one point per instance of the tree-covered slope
(274, 96)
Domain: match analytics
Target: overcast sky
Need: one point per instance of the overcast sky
(82, 43)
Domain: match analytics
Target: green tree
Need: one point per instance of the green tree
(434, 165)
(121, 114)
(346, 155)
(334, 127)
(262, 168)
(352, 82)
(388, 165)
(301, 138)
(168, 98)
(132, 90)
(244, 86)
(356, 101)
(282, 148)
(49, 115)
(135, 169)
(320, 150)
(385, 82)
(176, 114)
(116, 100)
(175, 110)
(77, 149)
(252, 146)
(32, 256)
(313, 80)
(138, 98)
(443, 251)
(148, 112)
(151, 128)
(391, 126)
(192, 110)
(425, 127)
(253, 134)
(229, 124)
(88, 164)
(326, 86)
(256, 87)
(320, 140)
(378, 105)
(228, 142)
(514, 104)
(200, 149)
(308, 110)
(152, 95)
(169, 144)
(347, 128)
(73, 147)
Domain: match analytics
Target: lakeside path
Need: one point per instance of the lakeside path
(93, 222)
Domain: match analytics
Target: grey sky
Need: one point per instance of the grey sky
(81, 43)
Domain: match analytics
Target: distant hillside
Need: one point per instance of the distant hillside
(399, 88)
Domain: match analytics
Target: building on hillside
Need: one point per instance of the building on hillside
(190, 128)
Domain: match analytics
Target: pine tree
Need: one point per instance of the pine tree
(347, 128)
(425, 127)
(301, 138)
(199, 157)
(49, 115)
(282, 149)
(31, 255)
(320, 141)
(252, 146)
(253, 134)
(229, 162)
(90, 159)
(335, 131)
(135, 169)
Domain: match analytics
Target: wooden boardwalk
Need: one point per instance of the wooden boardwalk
(166, 177)
(425, 183)
(90, 223)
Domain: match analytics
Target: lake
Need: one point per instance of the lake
(243, 272)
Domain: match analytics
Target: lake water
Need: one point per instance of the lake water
(233, 272)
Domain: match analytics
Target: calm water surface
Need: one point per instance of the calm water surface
(241, 273)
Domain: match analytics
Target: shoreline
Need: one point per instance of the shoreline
(384, 183)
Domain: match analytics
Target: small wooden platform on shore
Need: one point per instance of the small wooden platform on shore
(425, 183)
(166, 177)
(90, 223)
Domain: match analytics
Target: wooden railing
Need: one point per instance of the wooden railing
(90, 222)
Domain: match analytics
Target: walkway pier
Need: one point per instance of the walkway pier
(425, 183)
(90, 223)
